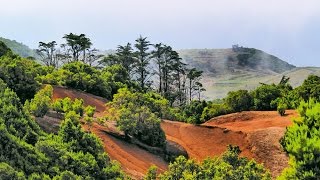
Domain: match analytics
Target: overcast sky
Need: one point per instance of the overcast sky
(288, 29)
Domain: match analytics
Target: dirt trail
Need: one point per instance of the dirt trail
(257, 133)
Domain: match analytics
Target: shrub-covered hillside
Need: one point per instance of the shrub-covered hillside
(19, 48)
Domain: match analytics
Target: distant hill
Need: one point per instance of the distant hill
(219, 62)
(241, 68)
(19, 48)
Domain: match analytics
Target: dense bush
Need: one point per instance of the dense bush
(264, 95)
(228, 166)
(214, 110)
(310, 88)
(192, 112)
(136, 119)
(66, 105)
(40, 104)
(240, 100)
(19, 74)
(302, 142)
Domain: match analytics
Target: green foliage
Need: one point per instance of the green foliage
(152, 173)
(8, 173)
(19, 74)
(40, 104)
(136, 119)
(90, 110)
(4, 49)
(16, 120)
(77, 106)
(264, 95)
(214, 110)
(302, 142)
(27, 152)
(228, 166)
(281, 106)
(239, 100)
(193, 111)
(84, 77)
(66, 105)
(310, 88)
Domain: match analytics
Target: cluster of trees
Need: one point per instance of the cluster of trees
(228, 166)
(76, 48)
(26, 152)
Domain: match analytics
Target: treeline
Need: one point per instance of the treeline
(149, 66)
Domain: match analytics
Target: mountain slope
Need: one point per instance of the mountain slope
(218, 62)
(19, 48)
(241, 68)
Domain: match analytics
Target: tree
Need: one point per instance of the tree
(264, 95)
(134, 118)
(78, 43)
(194, 77)
(239, 100)
(19, 74)
(48, 53)
(142, 61)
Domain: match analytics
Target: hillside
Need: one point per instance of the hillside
(19, 48)
(233, 69)
(257, 134)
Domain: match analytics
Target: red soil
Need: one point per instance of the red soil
(256, 133)
(134, 160)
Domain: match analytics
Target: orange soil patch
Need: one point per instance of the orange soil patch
(201, 141)
(249, 121)
(257, 133)
(134, 160)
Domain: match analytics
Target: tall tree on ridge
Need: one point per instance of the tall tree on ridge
(47, 52)
(142, 61)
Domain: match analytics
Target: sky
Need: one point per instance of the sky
(288, 29)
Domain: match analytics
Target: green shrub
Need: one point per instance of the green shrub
(135, 119)
(40, 104)
(302, 142)
(90, 110)
(214, 110)
(264, 95)
(239, 100)
(228, 166)
(77, 106)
